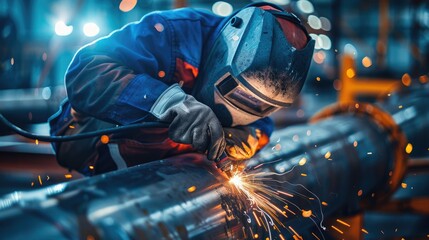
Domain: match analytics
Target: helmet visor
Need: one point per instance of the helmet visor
(243, 98)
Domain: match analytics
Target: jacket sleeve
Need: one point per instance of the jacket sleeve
(118, 78)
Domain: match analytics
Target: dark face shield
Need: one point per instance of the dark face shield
(252, 70)
(242, 98)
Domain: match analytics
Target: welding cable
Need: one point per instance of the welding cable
(78, 136)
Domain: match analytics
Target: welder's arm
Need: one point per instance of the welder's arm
(242, 142)
(191, 122)
(117, 78)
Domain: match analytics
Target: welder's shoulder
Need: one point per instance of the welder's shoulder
(188, 28)
(181, 15)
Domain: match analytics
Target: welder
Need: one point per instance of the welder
(213, 80)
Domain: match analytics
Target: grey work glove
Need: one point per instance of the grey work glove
(191, 122)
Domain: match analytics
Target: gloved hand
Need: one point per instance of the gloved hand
(242, 142)
(191, 122)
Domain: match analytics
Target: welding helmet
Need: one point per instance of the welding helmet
(252, 69)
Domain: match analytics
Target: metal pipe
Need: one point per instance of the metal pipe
(167, 199)
(350, 157)
(34, 105)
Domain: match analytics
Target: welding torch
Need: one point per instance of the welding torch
(224, 164)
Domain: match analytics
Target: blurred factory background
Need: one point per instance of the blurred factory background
(365, 50)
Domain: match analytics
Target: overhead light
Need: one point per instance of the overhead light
(46, 93)
(305, 6)
(326, 24)
(325, 42)
(127, 5)
(91, 29)
(314, 22)
(366, 62)
(350, 49)
(222, 8)
(319, 57)
(61, 29)
(279, 2)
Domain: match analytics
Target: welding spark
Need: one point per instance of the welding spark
(236, 181)
(266, 201)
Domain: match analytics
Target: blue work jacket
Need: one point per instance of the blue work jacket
(118, 78)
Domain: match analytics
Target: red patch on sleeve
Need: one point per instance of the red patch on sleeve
(185, 73)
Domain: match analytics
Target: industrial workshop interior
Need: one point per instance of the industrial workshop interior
(348, 158)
